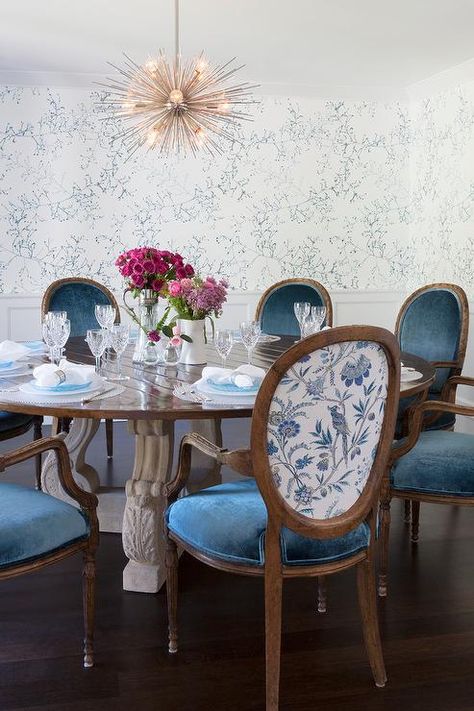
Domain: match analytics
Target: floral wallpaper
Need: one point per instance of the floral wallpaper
(308, 188)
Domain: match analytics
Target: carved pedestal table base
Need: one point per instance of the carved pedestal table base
(142, 532)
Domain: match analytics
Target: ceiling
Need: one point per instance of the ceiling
(312, 43)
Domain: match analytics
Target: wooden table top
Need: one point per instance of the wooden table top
(149, 392)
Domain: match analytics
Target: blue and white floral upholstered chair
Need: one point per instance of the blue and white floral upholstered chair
(436, 466)
(275, 308)
(322, 429)
(37, 529)
(433, 324)
(78, 296)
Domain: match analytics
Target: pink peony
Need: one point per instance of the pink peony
(174, 288)
(176, 330)
(186, 284)
(176, 341)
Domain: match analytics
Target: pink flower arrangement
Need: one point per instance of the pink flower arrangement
(195, 298)
(151, 268)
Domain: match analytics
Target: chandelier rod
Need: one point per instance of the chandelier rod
(177, 49)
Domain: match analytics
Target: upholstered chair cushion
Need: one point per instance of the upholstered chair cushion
(79, 300)
(33, 524)
(228, 522)
(12, 420)
(440, 463)
(278, 317)
(431, 327)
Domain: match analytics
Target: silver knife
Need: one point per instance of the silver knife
(97, 395)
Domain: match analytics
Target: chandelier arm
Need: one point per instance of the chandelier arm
(177, 48)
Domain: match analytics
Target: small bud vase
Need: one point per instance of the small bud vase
(193, 353)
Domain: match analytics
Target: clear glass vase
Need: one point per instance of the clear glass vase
(147, 313)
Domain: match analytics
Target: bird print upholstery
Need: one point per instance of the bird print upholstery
(324, 426)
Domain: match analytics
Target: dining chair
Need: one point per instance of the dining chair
(435, 466)
(275, 308)
(78, 296)
(433, 323)
(322, 428)
(37, 529)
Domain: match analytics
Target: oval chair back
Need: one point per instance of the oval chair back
(322, 430)
(433, 324)
(275, 308)
(78, 296)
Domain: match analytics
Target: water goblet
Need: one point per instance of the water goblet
(312, 323)
(223, 342)
(302, 310)
(46, 328)
(105, 315)
(97, 341)
(119, 338)
(250, 332)
(60, 332)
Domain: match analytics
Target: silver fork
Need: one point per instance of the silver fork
(183, 390)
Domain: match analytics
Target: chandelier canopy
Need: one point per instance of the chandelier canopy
(175, 105)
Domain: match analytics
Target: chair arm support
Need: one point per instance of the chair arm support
(415, 421)
(444, 363)
(239, 460)
(450, 386)
(172, 489)
(85, 499)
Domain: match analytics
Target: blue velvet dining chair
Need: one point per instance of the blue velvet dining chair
(435, 466)
(433, 324)
(14, 424)
(78, 296)
(322, 430)
(275, 308)
(37, 529)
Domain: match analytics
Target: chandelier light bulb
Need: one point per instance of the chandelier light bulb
(176, 96)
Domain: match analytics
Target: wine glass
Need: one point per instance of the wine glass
(60, 332)
(105, 315)
(312, 323)
(56, 316)
(223, 342)
(46, 328)
(119, 338)
(250, 332)
(97, 341)
(302, 309)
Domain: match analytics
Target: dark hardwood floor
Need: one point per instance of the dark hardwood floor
(427, 627)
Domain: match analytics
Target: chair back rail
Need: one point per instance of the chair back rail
(282, 295)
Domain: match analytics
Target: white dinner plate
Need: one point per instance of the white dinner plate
(409, 374)
(31, 388)
(207, 389)
(16, 365)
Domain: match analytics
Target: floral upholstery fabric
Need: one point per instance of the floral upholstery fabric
(324, 427)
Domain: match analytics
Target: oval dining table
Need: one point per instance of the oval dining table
(146, 400)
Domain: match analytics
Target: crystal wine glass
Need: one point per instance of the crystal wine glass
(105, 315)
(223, 342)
(97, 341)
(46, 328)
(302, 310)
(250, 332)
(60, 332)
(119, 338)
(312, 323)
(56, 316)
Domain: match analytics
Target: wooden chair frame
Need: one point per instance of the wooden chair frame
(254, 462)
(308, 282)
(52, 288)
(416, 421)
(88, 503)
(37, 423)
(455, 366)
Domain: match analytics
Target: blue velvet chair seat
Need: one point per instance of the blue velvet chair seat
(439, 463)
(12, 420)
(228, 522)
(33, 524)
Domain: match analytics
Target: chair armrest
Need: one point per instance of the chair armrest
(415, 421)
(449, 388)
(85, 499)
(237, 459)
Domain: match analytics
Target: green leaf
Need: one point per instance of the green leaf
(186, 338)
(168, 331)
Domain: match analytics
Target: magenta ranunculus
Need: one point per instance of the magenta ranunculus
(181, 273)
(160, 266)
(174, 288)
(189, 270)
(138, 280)
(126, 270)
(154, 336)
(149, 266)
(138, 268)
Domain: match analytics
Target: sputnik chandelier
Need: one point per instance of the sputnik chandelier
(176, 106)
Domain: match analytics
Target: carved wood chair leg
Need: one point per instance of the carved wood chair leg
(415, 520)
(55, 427)
(322, 593)
(88, 599)
(406, 511)
(370, 622)
(109, 436)
(383, 547)
(273, 594)
(37, 434)
(172, 594)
